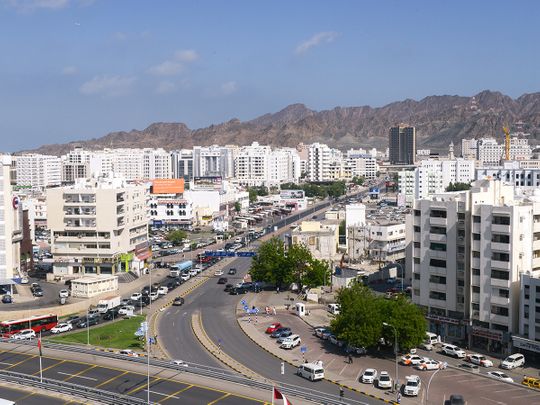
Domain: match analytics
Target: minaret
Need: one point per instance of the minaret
(451, 151)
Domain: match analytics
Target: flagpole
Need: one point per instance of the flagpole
(273, 388)
(40, 365)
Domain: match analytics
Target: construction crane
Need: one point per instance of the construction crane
(506, 142)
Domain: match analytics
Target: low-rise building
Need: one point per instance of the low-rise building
(320, 238)
(90, 286)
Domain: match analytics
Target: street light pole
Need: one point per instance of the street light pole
(395, 352)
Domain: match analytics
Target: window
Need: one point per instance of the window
(461, 215)
(499, 238)
(416, 213)
(503, 257)
(437, 214)
(475, 253)
(416, 244)
(417, 276)
(496, 310)
(499, 274)
(416, 260)
(437, 295)
(439, 247)
(437, 263)
(476, 219)
(461, 282)
(503, 292)
(475, 307)
(498, 220)
(475, 272)
(476, 236)
(475, 289)
(437, 279)
(417, 228)
(437, 230)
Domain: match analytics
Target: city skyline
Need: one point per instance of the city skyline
(81, 69)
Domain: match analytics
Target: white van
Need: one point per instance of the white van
(311, 371)
(333, 309)
(432, 338)
(513, 361)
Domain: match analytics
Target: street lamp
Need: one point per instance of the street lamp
(395, 351)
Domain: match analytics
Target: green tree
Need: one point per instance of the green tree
(458, 186)
(359, 321)
(316, 274)
(237, 206)
(342, 229)
(408, 320)
(177, 236)
(269, 265)
(358, 180)
(252, 195)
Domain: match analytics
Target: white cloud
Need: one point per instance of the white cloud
(176, 65)
(165, 87)
(69, 71)
(228, 88)
(32, 5)
(317, 39)
(108, 86)
(120, 36)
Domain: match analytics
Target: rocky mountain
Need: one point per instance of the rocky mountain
(438, 119)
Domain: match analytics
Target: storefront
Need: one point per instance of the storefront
(449, 329)
(488, 340)
(529, 348)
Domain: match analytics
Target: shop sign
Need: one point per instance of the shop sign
(526, 344)
(487, 333)
(444, 319)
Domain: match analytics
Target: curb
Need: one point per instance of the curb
(388, 401)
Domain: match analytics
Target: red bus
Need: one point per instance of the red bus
(38, 323)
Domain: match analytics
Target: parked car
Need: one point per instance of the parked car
(368, 376)
(326, 334)
(228, 287)
(469, 366)
(335, 341)
(7, 299)
(355, 350)
(112, 313)
(479, 360)
(73, 320)
(232, 271)
(384, 381)
(273, 327)
(91, 321)
(499, 375)
(154, 296)
(128, 352)
(411, 359)
(513, 361)
(38, 292)
(283, 336)
(162, 290)
(63, 293)
(24, 334)
(178, 301)
(291, 342)
(277, 333)
(126, 309)
(412, 385)
(454, 351)
(428, 364)
(222, 280)
(62, 327)
(135, 296)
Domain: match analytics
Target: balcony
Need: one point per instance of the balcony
(437, 303)
(475, 262)
(475, 297)
(476, 228)
(475, 280)
(500, 247)
(500, 228)
(435, 237)
(497, 264)
(437, 254)
(500, 319)
(475, 245)
(437, 287)
(500, 300)
(497, 282)
(435, 221)
(416, 252)
(437, 271)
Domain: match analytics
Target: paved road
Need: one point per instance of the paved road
(22, 397)
(162, 389)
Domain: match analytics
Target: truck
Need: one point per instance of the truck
(180, 267)
(107, 303)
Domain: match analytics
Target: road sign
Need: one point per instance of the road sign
(243, 302)
(222, 253)
(303, 349)
(246, 308)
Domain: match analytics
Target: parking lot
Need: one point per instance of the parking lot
(476, 388)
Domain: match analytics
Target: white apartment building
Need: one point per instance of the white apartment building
(387, 241)
(156, 164)
(323, 163)
(98, 226)
(469, 250)
(490, 153)
(167, 205)
(38, 171)
(512, 173)
(10, 225)
(528, 341)
(213, 161)
(182, 164)
(76, 165)
(361, 164)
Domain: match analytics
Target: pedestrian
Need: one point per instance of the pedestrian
(274, 310)
(350, 358)
(277, 290)
(398, 398)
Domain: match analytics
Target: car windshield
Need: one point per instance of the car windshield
(368, 373)
(385, 377)
(412, 383)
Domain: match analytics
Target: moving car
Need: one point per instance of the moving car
(222, 280)
(273, 327)
(181, 363)
(178, 301)
(412, 386)
(135, 296)
(62, 327)
(427, 365)
(277, 333)
(479, 360)
(411, 359)
(24, 334)
(232, 271)
(311, 371)
(84, 323)
(7, 299)
(38, 292)
(73, 320)
(291, 342)
(470, 366)
(63, 293)
(128, 352)
(499, 375)
(112, 313)
(384, 380)
(513, 361)
(218, 273)
(228, 287)
(368, 376)
(454, 351)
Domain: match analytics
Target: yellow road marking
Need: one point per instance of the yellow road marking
(219, 399)
(111, 379)
(176, 393)
(51, 366)
(80, 372)
(22, 361)
(142, 386)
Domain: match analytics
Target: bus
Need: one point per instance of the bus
(37, 323)
(180, 267)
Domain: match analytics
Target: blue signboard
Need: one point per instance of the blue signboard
(303, 349)
(243, 302)
(221, 253)
(245, 254)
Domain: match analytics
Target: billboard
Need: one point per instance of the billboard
(167, 186)
(291, 194)
(210, 182)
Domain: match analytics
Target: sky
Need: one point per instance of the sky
(79, 69)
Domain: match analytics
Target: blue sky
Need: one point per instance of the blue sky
(78, 69)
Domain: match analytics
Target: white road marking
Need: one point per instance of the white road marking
(7, 364)
(359, 374)
(78, 376)
(330, 362)
(343, 369)
(492, 400)
(162, 394)
(526, 395)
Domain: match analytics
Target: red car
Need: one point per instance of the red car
(272, 328)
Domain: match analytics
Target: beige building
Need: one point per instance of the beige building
(320, 238)
(98, 226)
(87, 287)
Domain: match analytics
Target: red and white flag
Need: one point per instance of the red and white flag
(278, 395)
(39, 347)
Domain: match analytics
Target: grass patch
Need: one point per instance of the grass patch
(117, 335)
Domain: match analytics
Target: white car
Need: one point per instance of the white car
(181, 363)
(135, 296)
(384, 381)
(428, 365)
(499, 375)
(63, 293)
(513, 361)
(335, 341)
(479, 360)
(218, 273)
(128, 352)
(62, 327)
(291, 342)
(413, 385)
(185, 276)
(411, 359)
(24, 334)
(154, 296)
(368, 376)
(126, 309)
(24, 280)
(162, 290)
(454, 351)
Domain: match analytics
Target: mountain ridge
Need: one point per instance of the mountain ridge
(439, 119)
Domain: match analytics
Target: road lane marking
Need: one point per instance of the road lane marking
(174, 394)
(219, 399)
(48, 368)
(330, 362)
(21, 362)
(79, 374)
(6, 364)
(343, 369)
(492, 400)
(359, 374)
(111, 379)
(143, 386)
